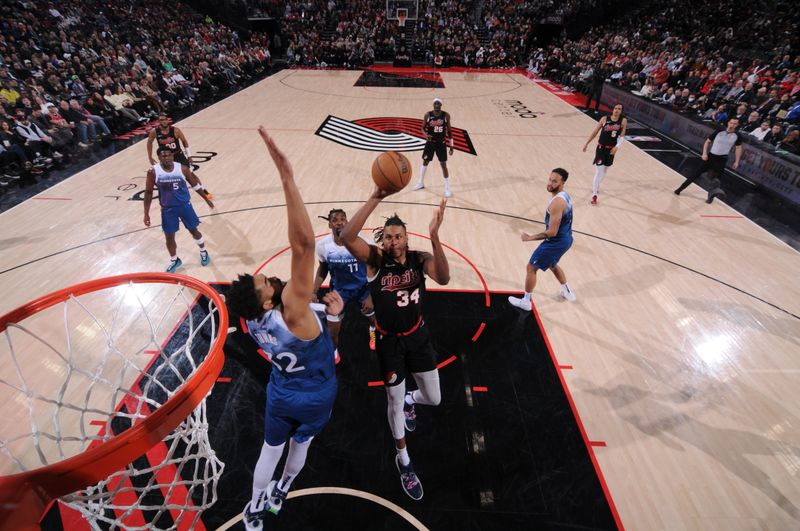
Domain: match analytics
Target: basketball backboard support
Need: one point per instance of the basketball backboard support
(410, 7)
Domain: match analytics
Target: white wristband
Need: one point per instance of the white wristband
(187, 153)
(333, 318)
(197, 187)
(620, 140)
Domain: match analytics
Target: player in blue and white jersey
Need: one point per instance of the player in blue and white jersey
(348, 275)
(173, 181)
(557, 238)
(302, 385)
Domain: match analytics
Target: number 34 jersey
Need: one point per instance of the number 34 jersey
(397, 293)
(296, 363)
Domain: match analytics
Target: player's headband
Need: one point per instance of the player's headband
(437, 100)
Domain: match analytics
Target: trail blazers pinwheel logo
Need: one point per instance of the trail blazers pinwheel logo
(385, 134)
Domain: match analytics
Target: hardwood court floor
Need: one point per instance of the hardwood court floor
(683, 345)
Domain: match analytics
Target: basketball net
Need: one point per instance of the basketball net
(401, 20)
(88, 372)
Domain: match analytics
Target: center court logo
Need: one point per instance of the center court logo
(385, 134)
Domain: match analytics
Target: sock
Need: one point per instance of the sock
(200, 242)
(447, 183)
(422, 171)
(527, 296)
(295, 460)
(402, 453)
(262, 475)
(565, 286)
(173, 258)
(599, 175)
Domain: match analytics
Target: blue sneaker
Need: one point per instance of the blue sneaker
(275, 498)
(411, 415)
(174, 265)
(409, 480)
(205, 258)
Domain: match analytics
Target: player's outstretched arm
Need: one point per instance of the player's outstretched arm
(594, 133)
(360, 249)
(437, 266)
(299, 288)
(149, 184)
(151, 136)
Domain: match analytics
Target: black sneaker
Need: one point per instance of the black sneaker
(409, 480)
(410, 414)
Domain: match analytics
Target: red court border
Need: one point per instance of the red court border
(588, 443)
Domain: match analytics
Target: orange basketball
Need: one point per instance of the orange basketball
(391, 171)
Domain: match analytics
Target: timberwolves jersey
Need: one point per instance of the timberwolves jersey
(436, 126)
(564, 234)
(347, 273)
(172, 187)
(168, 140)
(609, 132)
(297, 364)
(397, 293)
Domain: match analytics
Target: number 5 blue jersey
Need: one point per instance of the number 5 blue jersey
(297, 364)
(173, 189)
(347, 273)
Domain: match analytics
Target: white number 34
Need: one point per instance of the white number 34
(403, 297)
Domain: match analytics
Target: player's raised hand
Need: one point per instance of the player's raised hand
(379, 193)
(438, 217)
(278, 157)
(334, 304)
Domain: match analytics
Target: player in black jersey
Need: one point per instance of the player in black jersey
(612, 134)
(171, 138)
(396, 278)
(436, 126)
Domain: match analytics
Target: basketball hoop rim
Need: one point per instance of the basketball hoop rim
(25, 495)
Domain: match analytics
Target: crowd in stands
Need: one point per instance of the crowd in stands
(75, 72)
(701, 59)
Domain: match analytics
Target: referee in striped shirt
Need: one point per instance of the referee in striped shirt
(715, 154)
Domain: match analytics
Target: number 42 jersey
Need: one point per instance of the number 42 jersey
(298, 364)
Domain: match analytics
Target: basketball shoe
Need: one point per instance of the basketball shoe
(410, 414)
(372, 338)
(205, 259)
(174, 265)
(275, 498)
(253, 519)
(521, 303)
(594, 200)
(418, 186)
(567, 293)
(409, 479)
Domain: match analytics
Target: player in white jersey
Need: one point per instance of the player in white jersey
(302, 384)
(173, 181)
(348, 275)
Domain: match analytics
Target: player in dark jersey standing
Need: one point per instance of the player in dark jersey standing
(170, 137)
(436, 126)
(396, 278)
(612, 134)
